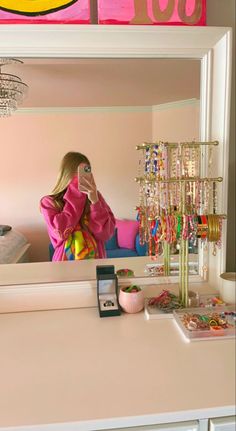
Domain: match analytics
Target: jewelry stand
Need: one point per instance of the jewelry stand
(176, 204)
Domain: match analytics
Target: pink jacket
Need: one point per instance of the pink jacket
(60, 223)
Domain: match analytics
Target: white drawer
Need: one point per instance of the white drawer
(177, 426)
(223, 424)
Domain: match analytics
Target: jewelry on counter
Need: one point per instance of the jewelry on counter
(205, 322)
(125, 272)
(210, 302)
(154, 270)
(166, 301)
(108, 303)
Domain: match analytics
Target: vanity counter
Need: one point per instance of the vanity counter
(77, 371)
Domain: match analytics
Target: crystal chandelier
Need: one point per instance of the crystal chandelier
(12, 89)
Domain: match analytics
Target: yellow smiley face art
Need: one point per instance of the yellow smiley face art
(34, 7)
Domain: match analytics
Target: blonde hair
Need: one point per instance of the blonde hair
(68, 168)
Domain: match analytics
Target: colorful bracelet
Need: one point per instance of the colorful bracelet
(125, 272)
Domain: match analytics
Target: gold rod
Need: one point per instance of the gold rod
(186, 274)
(224, 216)
(176, 180)
(166, 258)
(175, 144)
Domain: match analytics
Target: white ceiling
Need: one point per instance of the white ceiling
(107, 82)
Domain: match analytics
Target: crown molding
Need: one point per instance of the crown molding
(176, 105)
(105, 109)
(82, 109)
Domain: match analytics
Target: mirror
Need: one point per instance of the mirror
(102, 108)
(211, 46)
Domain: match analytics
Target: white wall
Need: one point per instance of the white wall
(34, 144)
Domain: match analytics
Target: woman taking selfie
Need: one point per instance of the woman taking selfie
(78, 219)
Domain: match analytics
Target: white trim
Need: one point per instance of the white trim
(176, 105)
(226, 137)
(96, 109)
(219, 118)
(205, 104)
(81, 110)
(45, 40)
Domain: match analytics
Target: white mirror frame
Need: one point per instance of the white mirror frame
(211, 45)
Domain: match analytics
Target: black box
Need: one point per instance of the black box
(107, 291)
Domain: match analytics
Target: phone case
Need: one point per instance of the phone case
(83, 172)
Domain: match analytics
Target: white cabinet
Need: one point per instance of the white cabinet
(180, 426)
(217, 424)
(223, 424)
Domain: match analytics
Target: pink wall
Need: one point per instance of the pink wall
(176, 123)
(33, 145)
(32, 151)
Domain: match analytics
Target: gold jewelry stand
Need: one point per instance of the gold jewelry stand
(182, 183)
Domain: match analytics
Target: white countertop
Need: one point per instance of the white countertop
(74, 368)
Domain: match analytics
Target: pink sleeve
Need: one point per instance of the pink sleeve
(62, 223)
(102, 221)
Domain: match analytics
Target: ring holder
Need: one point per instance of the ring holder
(107, 291)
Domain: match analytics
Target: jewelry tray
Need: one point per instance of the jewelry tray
(206, 334)
(155, 313)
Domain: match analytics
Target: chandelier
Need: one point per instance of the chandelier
(12, 88)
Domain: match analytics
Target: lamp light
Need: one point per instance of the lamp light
(12, 88)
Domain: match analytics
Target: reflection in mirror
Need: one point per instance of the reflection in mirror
(102, 108)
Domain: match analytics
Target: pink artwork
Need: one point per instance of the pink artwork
(152, 12)
(44, 11)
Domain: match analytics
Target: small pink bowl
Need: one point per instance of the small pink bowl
(131, 302)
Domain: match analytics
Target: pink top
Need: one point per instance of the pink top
(61, 223)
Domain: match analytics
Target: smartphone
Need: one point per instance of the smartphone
(84, 171)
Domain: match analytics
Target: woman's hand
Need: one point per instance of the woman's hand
(87, 185)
